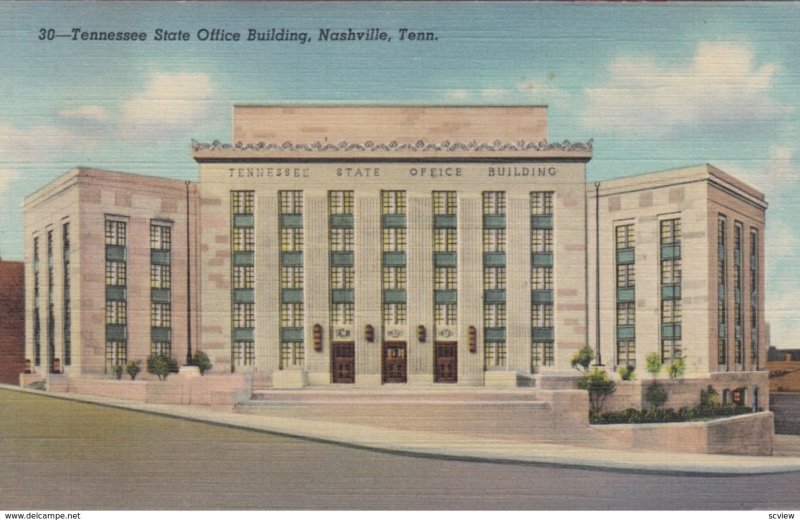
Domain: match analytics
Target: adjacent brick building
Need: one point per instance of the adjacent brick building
(12, 321)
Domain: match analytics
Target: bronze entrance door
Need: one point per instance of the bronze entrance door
(394, 362)
(445, 362)
(343, 362)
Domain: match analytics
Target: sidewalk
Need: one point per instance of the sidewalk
(459, 447)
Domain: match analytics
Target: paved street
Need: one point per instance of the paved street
(59, 454)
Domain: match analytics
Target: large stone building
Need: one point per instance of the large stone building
(401, 245)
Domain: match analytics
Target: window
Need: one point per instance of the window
(445, 314)
(670, 231)
(160, 315)
(671, 349)
(291, 314)
(444, 278)
(290, 202)
(722, 281)
(444, 240)
(444, 203)
(244, 277)
(292, 354)
(159, 277)
(671, 271)
(541, 240)
(243, 352)
(341, 239)
(494, 278)
(394, 313)
(243, 239)
(242, 202)
(541, 315)
(116, 312)
(494, 240)
(494, 353)
(542, 354)
(394, 239)
(625, 236)
(541, 203)
(161, 347)
(626, 313)
(342, 313)
(291, 277)
(671, 312)
(494, 203)
(626, 275)
(66, 316)
(541, 278)
(243, 315)
(116, 353)
(340, 202)
(116, 232)
(494, 315)
(626, 352)
(393, 202)
(342, 277)
(116, 273)
(160, 237)
(394, 277)
(291, 239)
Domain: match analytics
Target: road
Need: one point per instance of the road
(59, 454)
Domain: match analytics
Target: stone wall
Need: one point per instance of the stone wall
(786, 408)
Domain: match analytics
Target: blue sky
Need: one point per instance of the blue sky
(655, 85)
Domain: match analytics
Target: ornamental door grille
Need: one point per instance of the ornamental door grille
(343, 364)
(445, 363)
(394, 362)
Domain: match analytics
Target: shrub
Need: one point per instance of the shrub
(653, 363)
(654, 415)
(118, 370)
(710, 396)
(201, 361)
(161, 365)
(656, 395)
(677, 368)
(582, 359)
(133, 369)
(599, 386)
(626, 373)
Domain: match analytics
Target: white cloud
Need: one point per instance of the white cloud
(722, 84)
(170, 102)
(494, 93)
(777, 174)
(32, 144)
(7, 177)
(458, 94)
(91, 112)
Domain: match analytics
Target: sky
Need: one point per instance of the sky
(656, 86)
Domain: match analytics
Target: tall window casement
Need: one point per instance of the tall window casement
(51, 314)
(542, 328)
(67, 311)
(116, 233)
(445, 243)
(160, 288)
(625, 258)
(494, 277)
(243, 278)
(341, 240)
(37, 324)
(393, 259)
(290, 224)
(754, 274)
(738, 302)
(722, 286)
(670, 253)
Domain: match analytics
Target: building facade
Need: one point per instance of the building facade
(374, 246)
(12, 321)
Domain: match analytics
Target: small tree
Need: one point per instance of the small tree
(118, 369)
(677, 368)
(133, 369)
(582, 359)
(161, 365)
(201, 361)
(709, 397)
(599, 386)
(653, 364)
(656, 395)
(626, 373)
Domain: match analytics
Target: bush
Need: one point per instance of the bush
(582, 359)
(118, 370)
(626, 373)
(653, 363)
(656, 395)
(599, 386)
(201, 361)
(677, 368)
(133, 369)
(656, 415)
(710, 396)
(161, 365)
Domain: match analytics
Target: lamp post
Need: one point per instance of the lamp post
(188, 285)
(598, 356)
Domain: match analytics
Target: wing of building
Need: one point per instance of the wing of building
(381, 245)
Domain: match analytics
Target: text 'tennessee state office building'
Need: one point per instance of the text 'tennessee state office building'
(375, 245)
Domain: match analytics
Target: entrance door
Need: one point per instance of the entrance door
(445, 364)
(394, 362)
(343, 364)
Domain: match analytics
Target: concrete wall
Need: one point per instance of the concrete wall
(786, 408)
